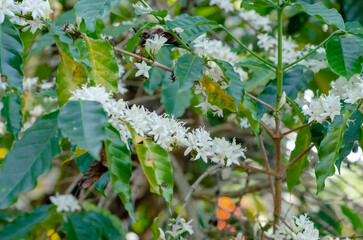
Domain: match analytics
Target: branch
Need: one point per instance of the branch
(295, 129)
(209, 171)
(156, 64)
(297, 158)
(263, 150)
(241, 165)
(315, 49)
(267, 129)
(260, 101)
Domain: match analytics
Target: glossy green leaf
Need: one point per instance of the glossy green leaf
(116, 31)
(83, 123)
(11, 62)
(351, 135)
(249, 108)
(294, 81)
(158, 75)
(235, 85)
(354, 28)
(353, 217)
(294, 173)
(91, 10)
(344, 56)
(84, 162)
(193, 26)
(104, 69)
(175, 101)
(259, 78)
(11, 111)
(102, 182)
(318, 10)
(155, 229)
(29, 158)
(98, 227)
(20, 227)
(141, 11)
(119, 165)
(330, 147)
(70, 76)
(28, 38)
(188, 68)
(253, 65)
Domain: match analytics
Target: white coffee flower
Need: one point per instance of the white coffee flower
(132, 236)
(154, 44)
(226, 5)
(143, 69)
(6, 8)
(65, 203)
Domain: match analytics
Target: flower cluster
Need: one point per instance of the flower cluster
(66, 203)
(182, 227)
(164, 130)
(330, 105)
(291, 52)
(33, 10)
(302, 228)
(153, 45)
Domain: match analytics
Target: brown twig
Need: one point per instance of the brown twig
(260, 101)
(263, 150)
(297, 158)
(241, 165)
(156, 64)
(294, 130)
(278, 178)
(267, 129)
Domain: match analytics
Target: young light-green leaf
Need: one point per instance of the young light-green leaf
(91, 10)
(83, 123)
(235, 85)
(189, 68)
(318, 10)
(156, 164)
(330, 147)
(29, 158)
(104, 69)
(249, 108)
(294, 173)
(70, 76)
(11, 111)
(344, 56)
(11, 62)
(119, 165)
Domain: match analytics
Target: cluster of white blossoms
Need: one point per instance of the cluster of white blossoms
(226, 5)
(164, 130)
(215, 49)
(36, 9)
(182, 227)
(330, 105)
(65, 203)
(153, 45)
(300, 229)
(256, 20)
(291, 52)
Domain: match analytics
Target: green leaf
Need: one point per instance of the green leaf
(70, 76)
(175, 101)
(11, 61)
(353, 217)
(354, 28)
(11, 111)
(193, 26)
(294, 81)
(155, 229)
(83, 123)
(297, 109)
(251, 64)
(84, 162)
(104, 69)
(29, 158)
(21, 226)
(28, 39)
(259, 78)
(352, 134)
(328, 16)
(344, 56)
(102, 182)
(119, 165)
(302, 142)
(249, 108)
(156, 164)
(116, 31)
(330, 147)
(144, 10)
(98, 227)
(43, 41)
(188, 68)
(91, 10)
(235, 85)
(158, 75)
